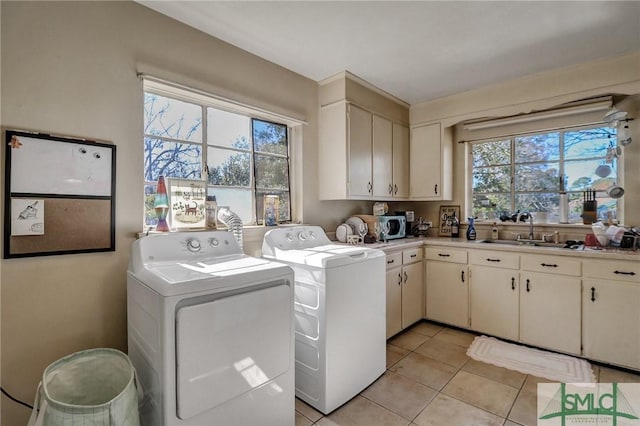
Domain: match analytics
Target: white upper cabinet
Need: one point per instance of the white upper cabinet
(382, 157)
(362, 156)
(360, 183)
(400, 161)
(430, 163)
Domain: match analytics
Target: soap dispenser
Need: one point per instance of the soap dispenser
(494, 232)
(471, 230)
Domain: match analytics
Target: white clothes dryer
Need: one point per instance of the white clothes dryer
(210, 332)
(340, 308)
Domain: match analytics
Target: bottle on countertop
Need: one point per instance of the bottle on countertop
(471, 230)
(494, 232)
(211, 211)
(455, 226)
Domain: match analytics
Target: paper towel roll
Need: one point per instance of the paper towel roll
(564, 208)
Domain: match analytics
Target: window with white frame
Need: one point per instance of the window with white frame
(238, 156)
(527, 172)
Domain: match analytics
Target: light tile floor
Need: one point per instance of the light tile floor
(430, 381)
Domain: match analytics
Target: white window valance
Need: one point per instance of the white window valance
(575, 114)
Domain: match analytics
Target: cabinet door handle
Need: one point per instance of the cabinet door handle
(549, 265)
(395, 189)
(406, 277)
(528, 285)
(513, 283)
(443, 255)
(492, 260)
(435, 189)
(413, 255)
(624, 273)
(462, 276)
(369, 187)
(390, 189)
(389, 262)
(399, 278)
(593, 294)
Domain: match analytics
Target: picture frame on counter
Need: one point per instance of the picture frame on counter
(446, 213)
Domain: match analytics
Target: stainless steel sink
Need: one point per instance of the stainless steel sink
(534, 243)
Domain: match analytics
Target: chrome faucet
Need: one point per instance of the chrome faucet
(530, 223)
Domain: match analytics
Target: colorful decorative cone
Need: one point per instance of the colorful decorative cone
(161, 206)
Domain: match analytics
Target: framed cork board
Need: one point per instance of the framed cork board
(59, 195)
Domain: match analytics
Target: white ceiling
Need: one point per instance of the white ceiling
(418, 50)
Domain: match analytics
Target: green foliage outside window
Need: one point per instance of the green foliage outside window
(527, 173)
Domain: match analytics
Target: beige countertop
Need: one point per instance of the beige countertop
(608, 253)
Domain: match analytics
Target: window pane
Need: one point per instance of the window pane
(588, 143)
(575, 207)
(492, 179)
(491, 153)
(150, 218)
(607, 205)
(581, 175)
(284, 210)
(542, 147)
(238, 201)
(227, 129)
(537, 202)
(271, 172)
(537, 177)
(171, 159)
(489, 206)
(171, 118)
(229, 168)
(269, 137)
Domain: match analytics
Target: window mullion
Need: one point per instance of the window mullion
(205, 146)
(513, 174)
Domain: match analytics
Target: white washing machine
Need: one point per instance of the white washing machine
(340, 338)
(210, 332)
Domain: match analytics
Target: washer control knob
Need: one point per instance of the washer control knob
(302, 236)
(213, 242)
(193, 245)
(290, 237)
(312, 235)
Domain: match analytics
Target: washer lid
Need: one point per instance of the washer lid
(178, 277)
(326, 256)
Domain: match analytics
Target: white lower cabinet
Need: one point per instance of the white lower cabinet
(550, 303)
(588, 307)
(447, 288)
(405, 288)
(611, 313)
(494, 293)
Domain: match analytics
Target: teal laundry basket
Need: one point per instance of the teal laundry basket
(96, 387)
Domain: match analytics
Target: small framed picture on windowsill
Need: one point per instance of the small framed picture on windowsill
(447, 213)
(186, 203)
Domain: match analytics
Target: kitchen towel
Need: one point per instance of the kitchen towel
(550, 365)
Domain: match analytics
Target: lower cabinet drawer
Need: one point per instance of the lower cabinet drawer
(551, 265)
(394, 259)
(612, 270)
(445, 254)
(495, 259)
(412, 255)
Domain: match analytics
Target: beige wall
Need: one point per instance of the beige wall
(70, 68)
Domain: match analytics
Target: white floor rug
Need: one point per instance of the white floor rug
(550, 365)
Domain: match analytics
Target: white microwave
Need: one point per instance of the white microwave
(397, 226)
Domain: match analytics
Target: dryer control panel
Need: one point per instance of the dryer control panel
(294, 238)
